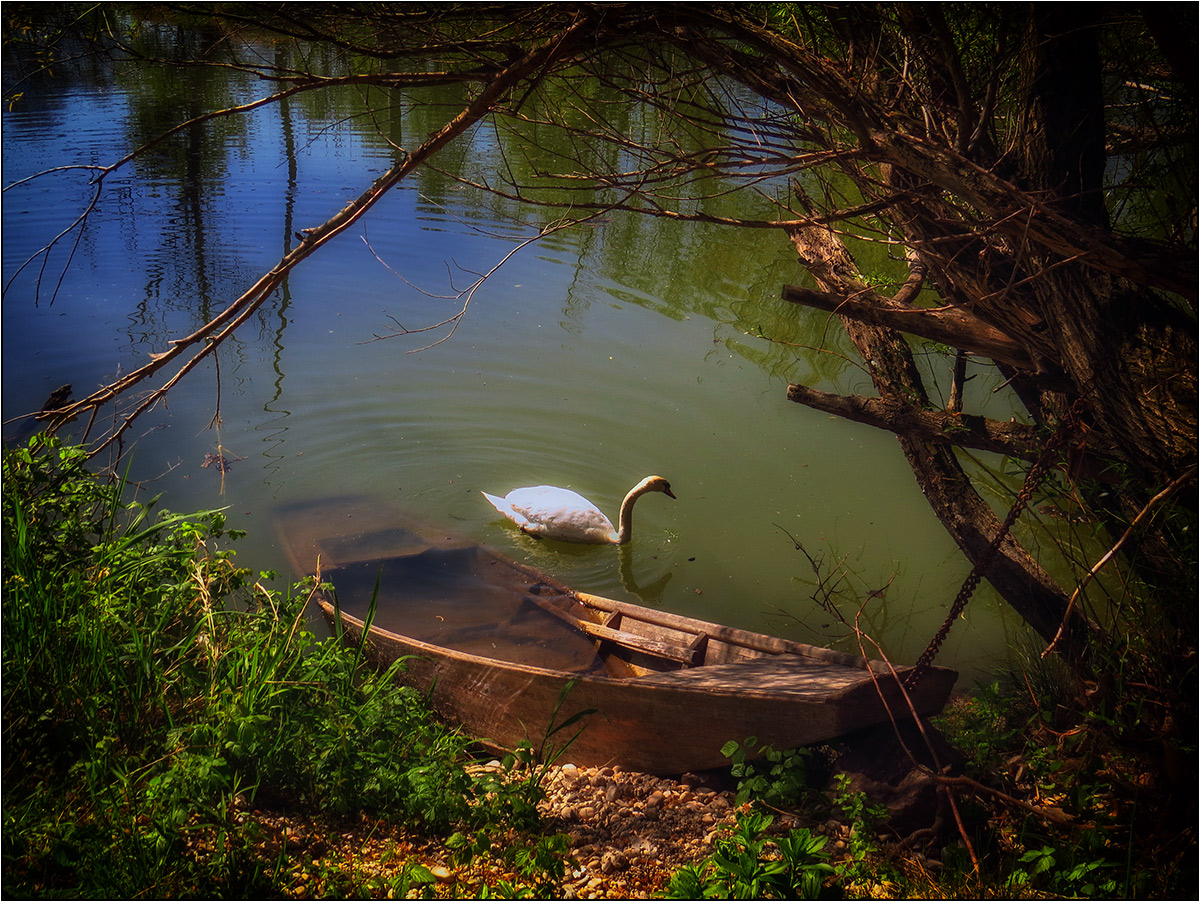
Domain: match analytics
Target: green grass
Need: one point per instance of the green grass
(153, 691)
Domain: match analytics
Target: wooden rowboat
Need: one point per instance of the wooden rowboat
(496, 643)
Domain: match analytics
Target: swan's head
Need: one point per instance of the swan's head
(655, 484)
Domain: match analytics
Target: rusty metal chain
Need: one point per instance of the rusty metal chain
(1032, 479)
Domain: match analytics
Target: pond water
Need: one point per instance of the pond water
(603, 353)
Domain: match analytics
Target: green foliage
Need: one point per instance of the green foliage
(775, 777)
(1082, 880)
(1101, 833)
(519, 789)
(335, 878)
(514, 793)
(540, 860)
(986, 728)
(149, 698)
(747, 864)
(863, 864)
(857, 810)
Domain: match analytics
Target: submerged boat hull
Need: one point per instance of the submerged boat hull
(657, 692)
(665, 723)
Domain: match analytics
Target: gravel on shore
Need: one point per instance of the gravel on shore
(628, 833)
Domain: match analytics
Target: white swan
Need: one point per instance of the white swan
(549, 512)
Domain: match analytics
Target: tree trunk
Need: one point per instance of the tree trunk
(967, 517)
(1128, 350)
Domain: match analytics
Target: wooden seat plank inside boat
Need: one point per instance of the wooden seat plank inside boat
(776, 675)
(340, 551)
(634, 642)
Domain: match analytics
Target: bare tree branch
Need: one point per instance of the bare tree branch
(966, 516)
(960, 430)
(948, 325)
(220, 327)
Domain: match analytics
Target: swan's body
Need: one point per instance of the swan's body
(549, 512)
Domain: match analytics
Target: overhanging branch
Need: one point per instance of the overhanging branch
(902, 418)
(1021, 217)
(205, 339)
(947, 325)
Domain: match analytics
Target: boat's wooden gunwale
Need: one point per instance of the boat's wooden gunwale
(412, 645)
(664, 722)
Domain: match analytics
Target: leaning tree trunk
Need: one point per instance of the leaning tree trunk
(967, 517)
(1128, 351)
(1091, 325)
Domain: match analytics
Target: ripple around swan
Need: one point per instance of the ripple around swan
(513, 435)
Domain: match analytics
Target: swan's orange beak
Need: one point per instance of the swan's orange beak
(667, 491)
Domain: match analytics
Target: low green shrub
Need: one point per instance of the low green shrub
(1076, 813)
(748, 864)
(775, 777)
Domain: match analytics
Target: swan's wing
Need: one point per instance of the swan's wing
(553, 511)
(506, 508)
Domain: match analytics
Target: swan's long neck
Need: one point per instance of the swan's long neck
(625, 519)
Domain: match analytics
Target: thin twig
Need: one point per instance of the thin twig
(1189, 473)
(467, 294)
